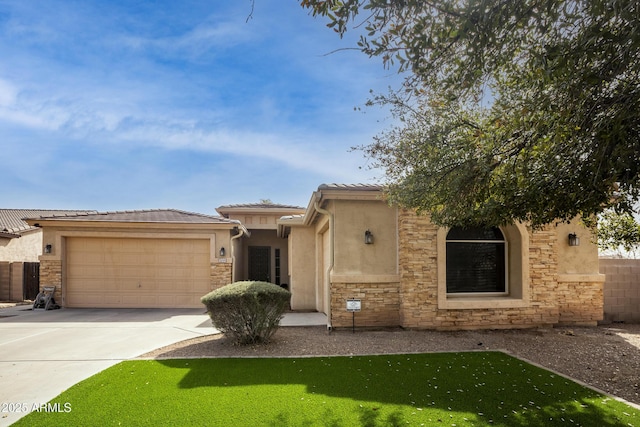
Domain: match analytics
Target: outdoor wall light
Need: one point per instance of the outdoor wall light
(47, 249)
(368, 237)
(574, 240)
(222, 252)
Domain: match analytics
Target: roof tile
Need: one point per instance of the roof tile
(151, 215)
(12, 220)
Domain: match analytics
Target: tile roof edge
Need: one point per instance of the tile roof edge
(137, 211)
(351, 187)
(260, 206)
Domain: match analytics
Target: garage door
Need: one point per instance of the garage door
(136, 273)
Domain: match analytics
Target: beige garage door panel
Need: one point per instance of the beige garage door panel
(136, 272)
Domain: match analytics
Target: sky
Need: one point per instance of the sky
(123, 105)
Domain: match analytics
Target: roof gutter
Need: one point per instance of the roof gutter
(9, 235)
(241, 232)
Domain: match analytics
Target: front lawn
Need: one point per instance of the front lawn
(449, 389)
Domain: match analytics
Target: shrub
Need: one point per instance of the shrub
(249, 312)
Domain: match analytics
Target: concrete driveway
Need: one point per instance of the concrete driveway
(42, 353)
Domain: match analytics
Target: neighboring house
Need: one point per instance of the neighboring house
(19, 241)
(347, 244)
(20, 249)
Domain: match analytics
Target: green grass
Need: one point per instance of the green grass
(461, 389)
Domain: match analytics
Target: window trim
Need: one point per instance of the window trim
(517, 235)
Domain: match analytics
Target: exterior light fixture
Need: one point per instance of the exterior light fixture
(368, 237)
(574, 240)
(47, 249)
(222, 252)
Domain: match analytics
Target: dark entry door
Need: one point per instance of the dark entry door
(260, 263)
(30, 280)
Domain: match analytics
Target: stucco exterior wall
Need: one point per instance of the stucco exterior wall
(257, 221)
(352, 255)
(26, 248)
(237, 258)
(323, 272)
(576, 259)
(302, 278)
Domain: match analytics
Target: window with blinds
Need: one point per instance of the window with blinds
(476, 261)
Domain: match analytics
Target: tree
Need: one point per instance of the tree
(510, 110)
(618, 234)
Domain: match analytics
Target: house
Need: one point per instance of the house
(348, 254)
(20, 248)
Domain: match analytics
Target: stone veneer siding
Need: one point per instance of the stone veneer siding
(551, 301)
(50, 275)
(220, 275)
(380, 304)
(418, 261)
(580, 303)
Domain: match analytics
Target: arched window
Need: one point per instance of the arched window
(476, 261)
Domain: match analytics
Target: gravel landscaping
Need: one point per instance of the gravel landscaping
(605, 357)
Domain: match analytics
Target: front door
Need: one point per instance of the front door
(260, 263)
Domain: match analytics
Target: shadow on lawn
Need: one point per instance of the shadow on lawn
(367, 417)
(484, 386)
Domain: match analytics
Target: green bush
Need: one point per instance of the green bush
(249, 312)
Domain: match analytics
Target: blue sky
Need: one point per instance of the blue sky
(115, 105)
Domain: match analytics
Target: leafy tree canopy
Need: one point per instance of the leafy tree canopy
(511, 110)
(618, 234)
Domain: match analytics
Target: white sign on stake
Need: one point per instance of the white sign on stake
(354, 304)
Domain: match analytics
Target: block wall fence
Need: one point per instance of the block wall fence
(621, 290)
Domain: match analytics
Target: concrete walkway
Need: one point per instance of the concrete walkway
(42, 353)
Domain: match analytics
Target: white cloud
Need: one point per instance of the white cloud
(8, 93)
(209, 35)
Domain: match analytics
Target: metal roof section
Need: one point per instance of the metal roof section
(327, 192)
(291, 217)
(272, 208)
(350, 187)
(13, 224)
(259, 206)
(340, 191)
(284, 223)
